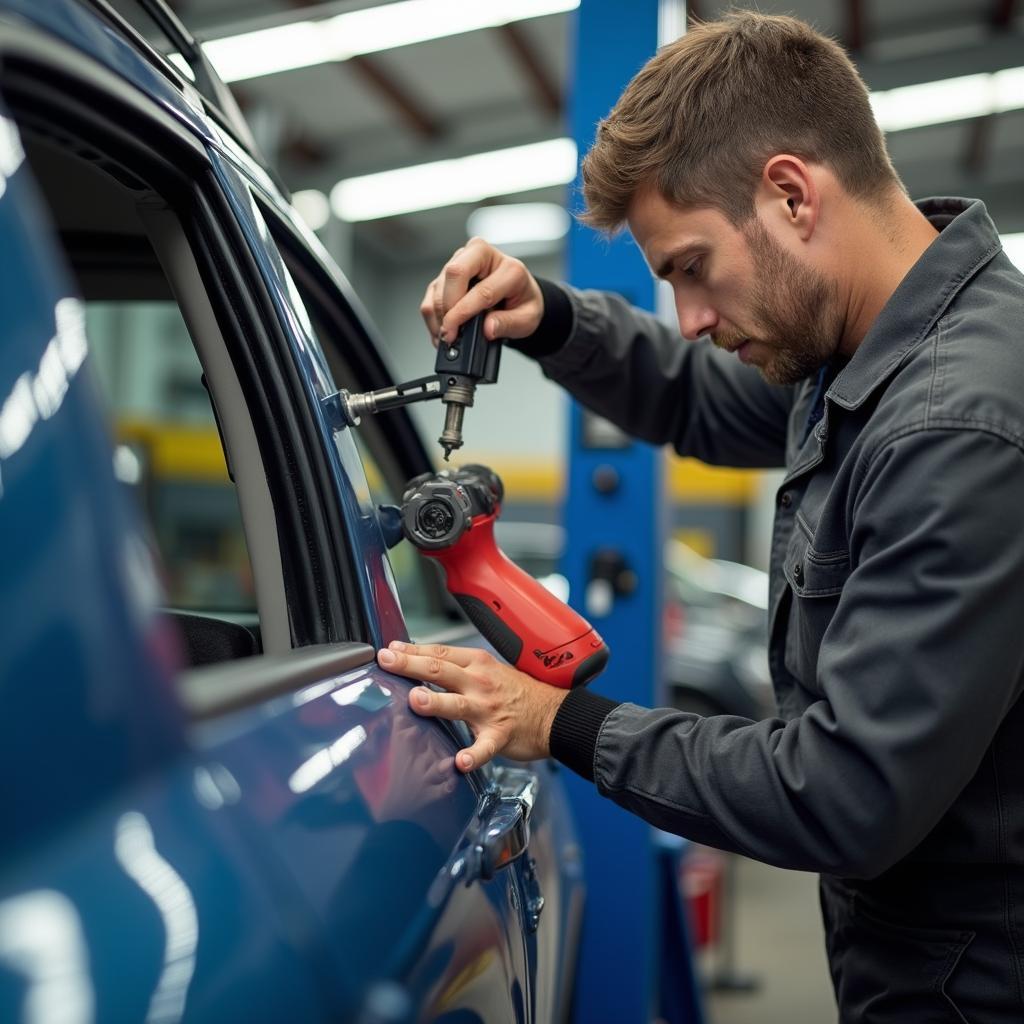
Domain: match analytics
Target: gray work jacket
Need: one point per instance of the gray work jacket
(897, 577)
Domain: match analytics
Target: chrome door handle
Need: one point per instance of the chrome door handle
(501, 835)
(504, 831)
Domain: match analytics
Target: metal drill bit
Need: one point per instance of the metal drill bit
(451, 436)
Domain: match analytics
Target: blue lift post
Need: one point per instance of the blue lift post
(636, 959)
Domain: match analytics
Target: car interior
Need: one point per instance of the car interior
(141, 286)
(194, 464)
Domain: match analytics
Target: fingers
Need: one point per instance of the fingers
(432, 307)
(501, 280)
(514, 323)
(507, 710)
(485, 747)
(452, 706)
(428, 666)
(461, 656)
(509, 284)
(475, 259)
(429, 311)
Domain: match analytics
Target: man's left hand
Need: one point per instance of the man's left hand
(509, 712)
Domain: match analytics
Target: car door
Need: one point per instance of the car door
(124, 894)
(392, 451)
(339, 808)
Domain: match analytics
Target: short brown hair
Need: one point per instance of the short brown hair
(703, 116)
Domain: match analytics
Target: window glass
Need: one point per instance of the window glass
(168, 450)
(426, 609)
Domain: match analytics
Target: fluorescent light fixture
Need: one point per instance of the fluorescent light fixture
(312, 206)
(1013, 246)
(519, 223)
(305, 43)
(952, 99)
(467, 179)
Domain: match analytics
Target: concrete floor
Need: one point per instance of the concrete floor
(778, 940)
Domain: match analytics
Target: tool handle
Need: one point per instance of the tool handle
(524, 622)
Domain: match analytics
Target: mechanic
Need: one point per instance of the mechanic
(873, 347)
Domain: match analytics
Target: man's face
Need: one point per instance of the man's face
(741, 287)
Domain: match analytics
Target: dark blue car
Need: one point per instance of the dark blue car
(215, 806)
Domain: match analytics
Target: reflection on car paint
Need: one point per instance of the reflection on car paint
(316, 768)
(353, 693)
(41, 938)
(12, 154)
(39, 396)
(215, 787)
(136, 851)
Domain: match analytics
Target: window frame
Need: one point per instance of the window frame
(53, 81)
(391, 438)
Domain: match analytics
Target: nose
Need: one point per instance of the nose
(695, 318)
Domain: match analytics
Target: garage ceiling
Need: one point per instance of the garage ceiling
(505, 86)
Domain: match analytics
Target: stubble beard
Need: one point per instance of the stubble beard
(795, 308)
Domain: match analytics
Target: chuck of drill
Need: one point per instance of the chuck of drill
(438, 508)
(461, 365)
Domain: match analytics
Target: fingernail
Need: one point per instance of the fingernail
(442, 335)
(397, 645)
(420, 696)
(495, 327)
(465, 761)
(386, 657)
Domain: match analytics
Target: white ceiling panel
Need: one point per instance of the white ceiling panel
(481, 98)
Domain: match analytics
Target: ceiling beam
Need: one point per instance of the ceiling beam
(409, 110)
(1000, 50)
(412, 113)
(1002, 13)
(856, 26)
(977, 146)
(544, 88)
(1000, 184)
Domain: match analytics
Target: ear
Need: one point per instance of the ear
(789, 195)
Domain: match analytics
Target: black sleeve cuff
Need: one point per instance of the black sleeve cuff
(555, 326)
(575, 728)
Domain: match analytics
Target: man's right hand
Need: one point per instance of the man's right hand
(502, 281)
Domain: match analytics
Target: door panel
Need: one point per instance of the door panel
(355, 799)
(153, 908)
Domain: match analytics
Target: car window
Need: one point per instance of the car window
(152, 327)
(168, 450)
(427, 610)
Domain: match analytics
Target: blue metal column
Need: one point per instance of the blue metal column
(615, 505)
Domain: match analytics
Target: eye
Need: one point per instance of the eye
(693, 269)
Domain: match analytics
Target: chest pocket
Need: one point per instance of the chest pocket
(816, 580)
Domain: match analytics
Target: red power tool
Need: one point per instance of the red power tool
(450, 516)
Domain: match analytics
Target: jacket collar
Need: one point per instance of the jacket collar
(966, 242)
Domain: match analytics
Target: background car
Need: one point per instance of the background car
(216, 805)
(715, 621)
